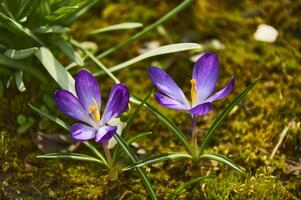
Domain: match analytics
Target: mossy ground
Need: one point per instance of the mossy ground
(248, 136)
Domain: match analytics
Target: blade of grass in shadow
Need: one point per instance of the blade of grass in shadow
(167, 122)
(222, 159)
(64, 125)
(141, 171)
(188, 184)
(147, 29)
(218, 121)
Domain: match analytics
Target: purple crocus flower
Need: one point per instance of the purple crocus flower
(204, 79)
(85, 106)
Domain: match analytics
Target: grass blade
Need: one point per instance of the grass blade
(82, 9)
(158, 159)
(134, 159)
(96, 61)
(15, 26)
(138, 137)
(56, 120)
(72, 156)
(218, 121)
(138, 35)
(127, 25)
(222, 159)
(67, 48)
(188, 184)
(172, 48)
(167, 122)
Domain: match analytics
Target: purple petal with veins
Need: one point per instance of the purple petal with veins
(81, 132)
(223, 92)
(167, 86)
(117, 103)
(105, 133)
(200, 109)
(205, 72)
(87, 89)
(169, 102)
(68, 104)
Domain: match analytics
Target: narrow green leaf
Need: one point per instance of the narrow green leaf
(138, 137)
(222, 159)
(61, 13)
(159, 158)
(67, 48)
(167, 122)
(135, 113)
(172, 48)
(20, 54)
(56, 69)
(83, 7)
(15, 26)
(134, 159)
(218, 121)
(22, 7)
(19, 81)
(72, 156)
(96, 61)
(147, 29)
(186, 185)
(128, 25)
(56, 120)
(52, 29)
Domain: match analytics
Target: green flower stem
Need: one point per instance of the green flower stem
(194, 141)
(138, 35)
(113, 170)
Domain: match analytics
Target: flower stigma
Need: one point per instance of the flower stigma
(94, 110)
(193, 92)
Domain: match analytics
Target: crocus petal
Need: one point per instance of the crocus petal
(105, 133)
(68, 104)
(87, 89)
(120, 126)
(200, 109)
(223, 92)
(82, 132)
(169, 102)
(117, 103)
(205, 72)
(167, 86)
